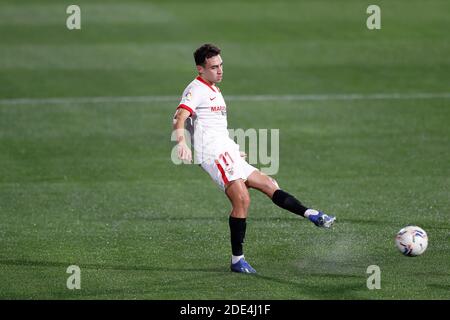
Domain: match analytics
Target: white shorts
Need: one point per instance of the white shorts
(228, 166)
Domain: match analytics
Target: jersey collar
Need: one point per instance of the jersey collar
(207, 84)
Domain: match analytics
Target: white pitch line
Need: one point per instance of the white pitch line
(281, 97)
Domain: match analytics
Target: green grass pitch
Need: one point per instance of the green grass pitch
(89, 182)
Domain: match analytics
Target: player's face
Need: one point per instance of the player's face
(213, 69)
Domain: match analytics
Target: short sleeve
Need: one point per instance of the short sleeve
(190, 100)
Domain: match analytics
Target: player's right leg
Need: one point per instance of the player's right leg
(239, 197)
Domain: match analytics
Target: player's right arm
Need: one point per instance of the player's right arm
(183, 152)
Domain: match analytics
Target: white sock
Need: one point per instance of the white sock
(235, 259)
(310, 212)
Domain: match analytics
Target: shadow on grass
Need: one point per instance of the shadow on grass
(321, 291)
(328, 286)
(33, 263)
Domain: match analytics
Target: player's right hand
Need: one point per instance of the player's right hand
(184, 153)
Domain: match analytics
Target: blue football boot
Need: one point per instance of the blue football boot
(242, 266)
(322, 220)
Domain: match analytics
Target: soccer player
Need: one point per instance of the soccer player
(203, 113)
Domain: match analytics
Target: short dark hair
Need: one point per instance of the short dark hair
(206, 51)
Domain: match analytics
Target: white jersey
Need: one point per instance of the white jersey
(207, 123)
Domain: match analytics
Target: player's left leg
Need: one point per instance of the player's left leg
(281, 198)
(227, 171)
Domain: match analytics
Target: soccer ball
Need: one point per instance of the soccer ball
(411, 241)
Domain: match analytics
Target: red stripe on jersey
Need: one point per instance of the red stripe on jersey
(183, 106)
(206, 83)
(222, 172)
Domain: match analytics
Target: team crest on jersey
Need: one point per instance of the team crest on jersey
(188, 96)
